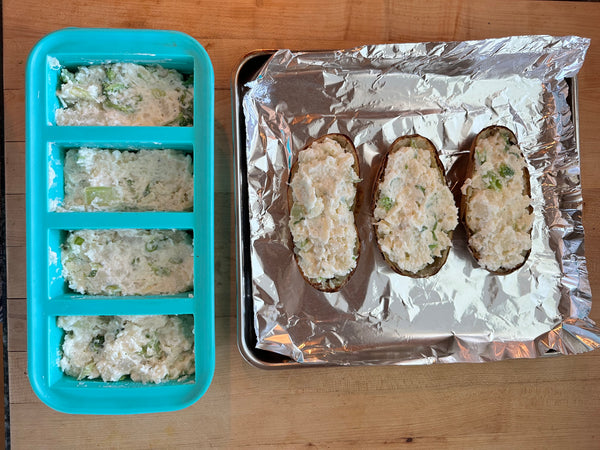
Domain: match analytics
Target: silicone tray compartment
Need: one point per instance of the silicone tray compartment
(58, 151)
(48, 295)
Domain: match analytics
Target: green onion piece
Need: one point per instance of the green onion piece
(507, 142)
(81, 93)
(92, 273)
(100, 195)
(184, 121)
(297, 213)
(480, 157)
(421, 188)
(66, 76)
(113, 87)
(122, 108)
(181, 120)
(506, 171)
(386, 203)
(156, 346)
(432, 246)
(78, 240)
(86, 371)
(152, 348)
(151, 246)
(492, 181)
(98, 342)
(144, 351)
(110, 74)
(160, 270)
(158, 93)
(113, 289)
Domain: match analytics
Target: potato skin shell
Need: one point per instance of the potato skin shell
(465, 198)
(404, 141)
(337, 283)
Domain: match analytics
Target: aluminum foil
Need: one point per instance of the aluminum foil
(447, 92)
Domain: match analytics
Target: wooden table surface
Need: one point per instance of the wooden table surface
(540, 403)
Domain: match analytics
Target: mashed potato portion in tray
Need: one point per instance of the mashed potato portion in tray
(115, 180)
(143, 348)
(125, 94)
(128, 262)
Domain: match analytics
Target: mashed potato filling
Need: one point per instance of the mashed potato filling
(321, 217)
(144, 348)
(415, 210)
(128, 262)
(125, 94)
(498, 206)
(115, 180)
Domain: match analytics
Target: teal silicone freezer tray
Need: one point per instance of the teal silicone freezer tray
(48, 295)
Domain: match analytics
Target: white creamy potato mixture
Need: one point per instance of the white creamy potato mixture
(321, 218)
(115, 180)
(415, 210)
(125, 94)
(144, 348)
(128, 262)
(498, 208)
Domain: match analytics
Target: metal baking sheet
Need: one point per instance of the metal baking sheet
(247, 340)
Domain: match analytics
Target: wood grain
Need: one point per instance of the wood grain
(3, 430)
(14, 156)
(544, 403)
(480, 403)
(347, 407)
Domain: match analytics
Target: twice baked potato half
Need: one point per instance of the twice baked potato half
(414, 213)
(322, 195)
(495, 205)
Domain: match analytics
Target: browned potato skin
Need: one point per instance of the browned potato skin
(337, 283)
(426, 144)
(465, 198)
